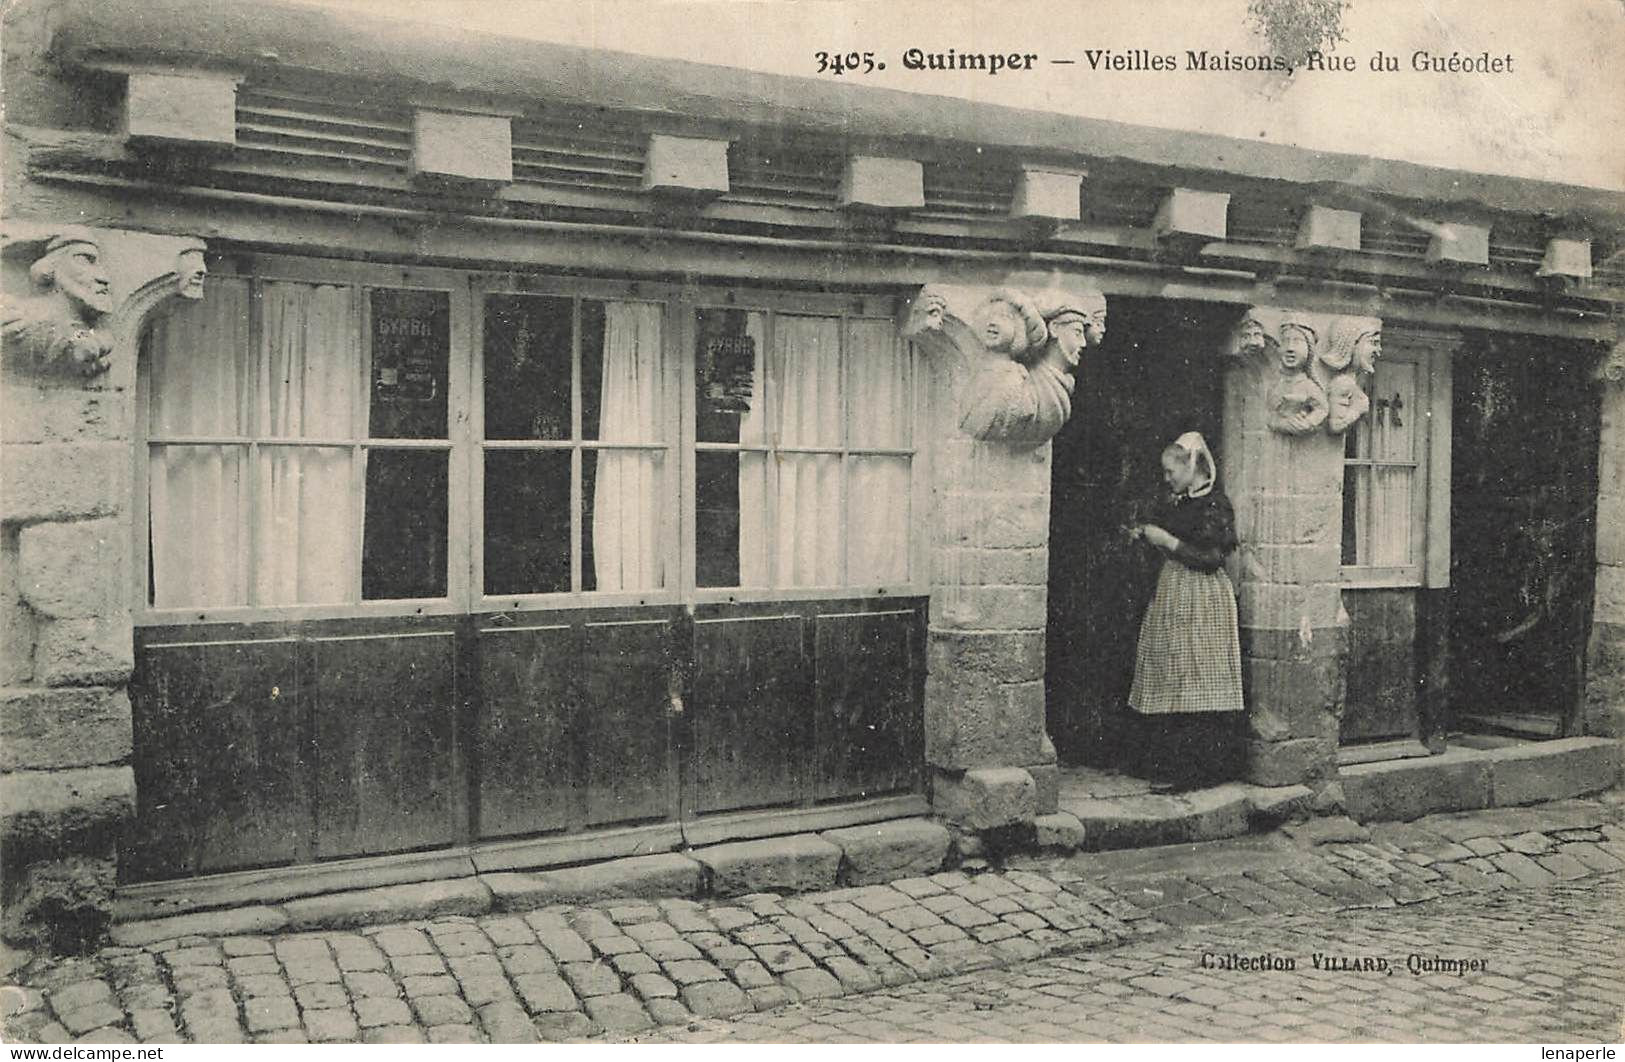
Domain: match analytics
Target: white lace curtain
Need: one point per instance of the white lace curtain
(299, 548)
(626, 504)
(804, 548)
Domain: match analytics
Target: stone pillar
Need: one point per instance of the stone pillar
(75, 302)
(1284, 474)
(1603, 713)
(994, 406)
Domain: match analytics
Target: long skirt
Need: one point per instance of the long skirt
(1189, 655)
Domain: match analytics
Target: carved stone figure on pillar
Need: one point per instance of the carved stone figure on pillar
(1026, 396)
(1352, 346)
(58, 326)
(1296, 403)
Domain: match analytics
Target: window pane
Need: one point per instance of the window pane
(411, 350)
(880, 386)
(197, 498)
(807, 375)
(309, 362)
(1394, 415)
(403, 550)
(728, 380)
(622, 516)
(877, 521)
(730, 517)
(527, 367)
(198, 365)
(624, 396)
(593, 365)
(304, 529)
(527, 521)
(1356, 513)
(807, 540)
(1391, 517)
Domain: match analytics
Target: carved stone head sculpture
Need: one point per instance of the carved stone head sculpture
(1338, 353)
(72, 265)
(1298, 339)
(1073, 321)
(190, 272)
(1247, 341)
(57, 326)
(1009, 322)
(1367, 349)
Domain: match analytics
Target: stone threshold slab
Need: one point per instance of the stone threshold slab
(1467, 779)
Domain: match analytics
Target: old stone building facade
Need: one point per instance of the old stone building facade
(430, 455)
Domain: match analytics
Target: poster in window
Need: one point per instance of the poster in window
(411, 346)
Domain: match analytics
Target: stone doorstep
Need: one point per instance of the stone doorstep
(1215, 813)
(1466, 779)
(794, 862)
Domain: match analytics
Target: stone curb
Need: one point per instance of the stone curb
(623, 966)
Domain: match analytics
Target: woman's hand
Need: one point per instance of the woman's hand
(1159, 537)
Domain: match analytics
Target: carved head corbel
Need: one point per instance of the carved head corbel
(1248, 340)
(1074, 320)
(1353, 345)
(58, 326)
(1009, 322)
(190, 271)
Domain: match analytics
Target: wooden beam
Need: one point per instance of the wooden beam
(463, 147)
(1566, 257)
(1460, 242)
(1189, 212)
(1327, 229)
(883, 183)
(687, 166)
(1047, 194)
(191, 109)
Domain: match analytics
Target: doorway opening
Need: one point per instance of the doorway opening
(1157, 375)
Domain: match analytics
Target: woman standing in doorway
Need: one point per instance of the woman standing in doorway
(1187, 667)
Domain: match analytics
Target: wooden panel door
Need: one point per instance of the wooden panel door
(870, 685)
(385, 717)
(222, 740)
(627, 675)
(527, 704)
(1382, 696)
(750, 713)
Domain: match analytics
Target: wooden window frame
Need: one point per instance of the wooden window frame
(1431, 353)
(847, 309)
(466, 445)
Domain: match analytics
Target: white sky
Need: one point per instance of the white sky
(1560, 116)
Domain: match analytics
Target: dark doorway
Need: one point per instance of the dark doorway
(1157, 374)
(1522, 532)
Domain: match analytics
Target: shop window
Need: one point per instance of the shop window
(1390, 507)
(803, 451)
(259, 430)
(326, 439)
(575, 445)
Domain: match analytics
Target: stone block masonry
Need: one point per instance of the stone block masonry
(1603, 710)
(65, 597)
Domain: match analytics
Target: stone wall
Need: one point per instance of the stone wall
(1603, 712)
(66, 784)
(1288, 495)
(992, 762)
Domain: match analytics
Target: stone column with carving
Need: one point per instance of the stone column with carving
(1288, 398)
(1001, 361)
(75, 299)
(1604, 707)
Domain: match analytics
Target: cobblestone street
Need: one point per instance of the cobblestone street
(1099, 945)
(1553, 973)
